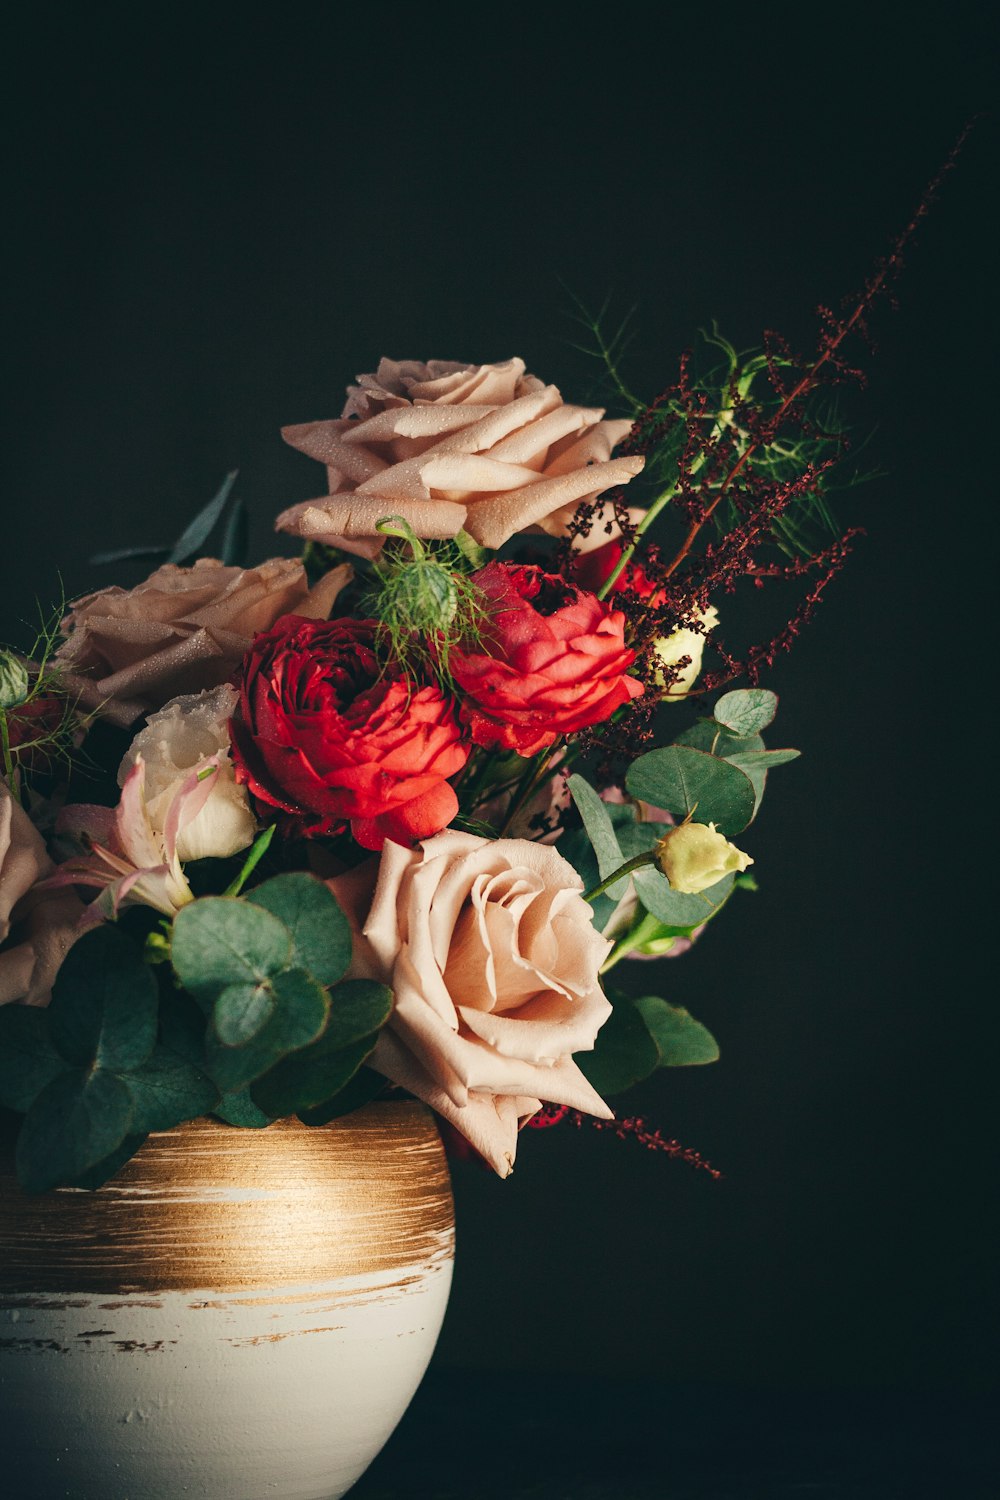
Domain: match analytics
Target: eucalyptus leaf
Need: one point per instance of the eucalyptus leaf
(220, 941)
(130, 554)
(716, 739)
(194, 536)
(675, 909)
(746, 710)
(28, 1060)
(756, 763)
(320, 933)
(237, 1108)
(624, 1053)
(104, 1002)
(236, 537)
(308, 1077)
(300, 1014)
(241, 1011)
(168, 1090)
(80, 1118)
(359, 1090)
(680, 1040)
(686, 781)
(97, 1175)
(301, 1083)
(576, 848)
(601, 832)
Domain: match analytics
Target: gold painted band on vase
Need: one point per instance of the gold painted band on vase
(208, 1205)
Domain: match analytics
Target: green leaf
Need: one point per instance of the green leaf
(302, 1082)
(686, 781)
(259, 848)
(601, 832)
(674, 909)
(167, 1090)
(680, 1040)
(241, 1011)
(300, 1013)
(194, 536)
(219, 941)
(97, 1175)
(236, 537)
(624, 1053)
(358, 1008)
(747, 710)
(707, 735)
(756, 763)
(361, 1089)
(28, 1060)
(237, 1108)
(104, 1002)
(321, 934)
(77, 1120)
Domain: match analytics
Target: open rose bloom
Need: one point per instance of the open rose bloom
(486, 449)
(391, 812)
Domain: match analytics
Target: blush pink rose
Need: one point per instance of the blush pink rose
(487, 449)
(37, 925)
(129, 651)
(493, 958)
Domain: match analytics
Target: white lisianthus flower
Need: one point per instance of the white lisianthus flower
(187, 734)
(695, 856)
(685, 642)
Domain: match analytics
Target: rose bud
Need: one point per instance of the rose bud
(695, 856)
(328, 733)
(680, 643)
(553, 660)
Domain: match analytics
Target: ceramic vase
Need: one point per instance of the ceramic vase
(238, 1314)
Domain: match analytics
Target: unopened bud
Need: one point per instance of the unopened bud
(14, 680)
(695, 856)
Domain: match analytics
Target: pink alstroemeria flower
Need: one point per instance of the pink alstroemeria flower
(125, 859)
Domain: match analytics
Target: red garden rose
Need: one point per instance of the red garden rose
(553, 661)
(326, 732)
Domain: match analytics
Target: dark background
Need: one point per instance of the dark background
(217, 221)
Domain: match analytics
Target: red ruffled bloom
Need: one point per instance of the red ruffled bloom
(556, 661)
(325, 732)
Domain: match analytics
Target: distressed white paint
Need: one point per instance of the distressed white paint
(234, 1396)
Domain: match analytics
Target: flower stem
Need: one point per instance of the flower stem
(636, 863)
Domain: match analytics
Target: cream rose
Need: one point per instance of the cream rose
(685, 642)
(487, 449)
(130, 650)
(190, 733)
(493, 958)
(696, 856)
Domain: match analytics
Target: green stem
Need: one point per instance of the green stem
(626, 557)
(8, 759)
(647, 927)
(636, 863)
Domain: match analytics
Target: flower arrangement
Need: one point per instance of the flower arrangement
(389, 814)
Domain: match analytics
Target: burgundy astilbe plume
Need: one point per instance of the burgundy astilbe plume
(722, 456)
(631, 1127)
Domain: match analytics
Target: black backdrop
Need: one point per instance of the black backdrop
(215, 223)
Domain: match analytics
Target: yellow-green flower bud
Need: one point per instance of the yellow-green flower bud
(694, 857)
(680, 643)
(14, 680)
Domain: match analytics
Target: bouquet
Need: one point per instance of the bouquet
(279, 839)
